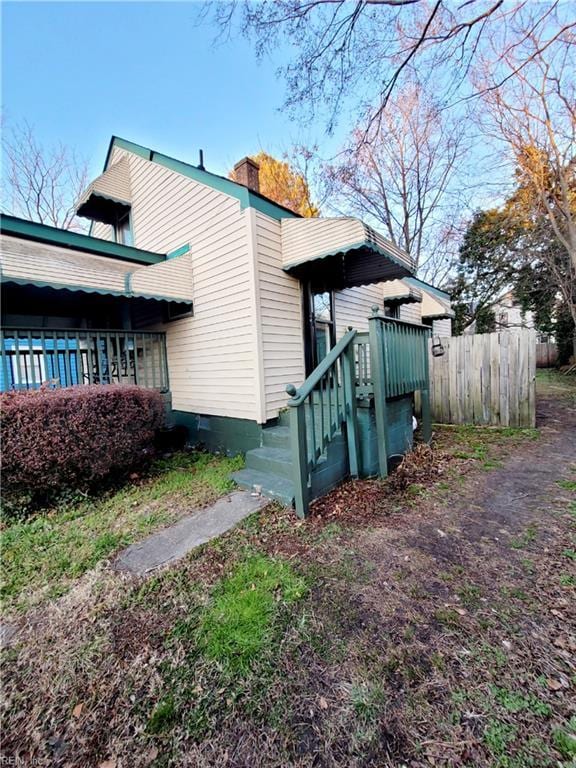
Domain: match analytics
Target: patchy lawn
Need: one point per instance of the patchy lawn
(42, 556)
(552, 383)
(423, 621)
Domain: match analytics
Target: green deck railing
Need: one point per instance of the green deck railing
(391, 360)
(399, 366)
(33, 357)
(319, 408)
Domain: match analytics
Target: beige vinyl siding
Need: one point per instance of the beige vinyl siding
(411, 313)
(353, 307)
(432, 305)
(102, 231)
(280, 317)
(211, 356)
(442, 327)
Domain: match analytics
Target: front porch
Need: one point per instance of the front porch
(35, 357)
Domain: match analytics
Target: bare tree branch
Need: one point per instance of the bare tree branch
(365, 50)
(41, 185)
(403, 179)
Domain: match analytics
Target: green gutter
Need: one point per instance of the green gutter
(42, 233)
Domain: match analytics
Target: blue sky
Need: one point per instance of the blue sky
(80, 72)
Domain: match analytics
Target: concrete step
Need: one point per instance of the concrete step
(277, 461)
(271, 486)
(276, 437)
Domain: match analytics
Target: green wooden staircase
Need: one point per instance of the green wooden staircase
(324, 436)
(269, 469)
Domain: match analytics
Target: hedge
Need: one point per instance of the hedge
(56, 439)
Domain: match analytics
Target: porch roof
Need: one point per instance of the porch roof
(43, 265)
(341, 253)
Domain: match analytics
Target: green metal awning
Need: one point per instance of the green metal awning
(109, 197)
(340, 253)
(127, 294)
(26, 262)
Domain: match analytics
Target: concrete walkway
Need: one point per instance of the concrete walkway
(173, 543)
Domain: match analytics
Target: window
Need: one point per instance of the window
(123, 230)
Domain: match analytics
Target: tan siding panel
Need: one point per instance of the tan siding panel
(280, 318)
(411, 313)
(210, 355)
(354, 307)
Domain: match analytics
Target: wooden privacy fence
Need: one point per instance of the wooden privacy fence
(486, 378)
(546, 354)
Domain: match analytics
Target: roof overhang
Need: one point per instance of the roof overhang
(340, 253)
(397, 292)
(102, 291)
(64, 238)
(43, 265)
(109, 197)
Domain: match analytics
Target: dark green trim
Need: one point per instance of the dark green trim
(42, 233)
(127, 294)
(247, 198)
(403, 298)
(136, 149)
(220, 433)
(178, 251)
(346, 249)
(444, 316)
(427, 287)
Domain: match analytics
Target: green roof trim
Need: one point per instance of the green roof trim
(178, 251)
(247, 198)
(128, 294)
(427, 287)
(343, 250)
(403, 298)
(32, 230)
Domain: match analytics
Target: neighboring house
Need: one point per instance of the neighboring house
(196, 285)
(508, 314)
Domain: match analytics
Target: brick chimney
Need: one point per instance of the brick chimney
(247, 174)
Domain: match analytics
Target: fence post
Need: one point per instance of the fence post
(425, 393)
(377, 365)
(298, 446)
(350, 408)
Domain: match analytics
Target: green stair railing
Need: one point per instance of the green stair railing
(319, 408)
(389, 361)
(398, 366)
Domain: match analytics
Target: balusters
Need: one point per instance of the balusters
(66, 358)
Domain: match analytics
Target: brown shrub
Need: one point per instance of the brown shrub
(56, 439)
